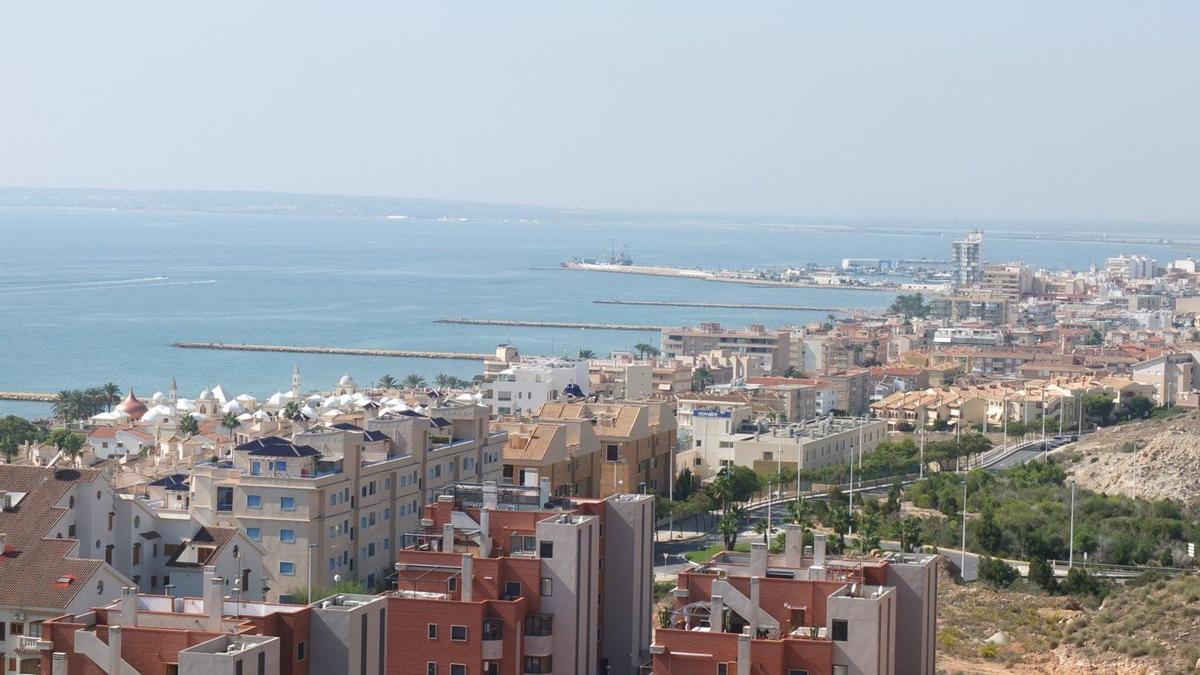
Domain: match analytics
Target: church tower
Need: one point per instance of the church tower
(174, 391)
(296, 381)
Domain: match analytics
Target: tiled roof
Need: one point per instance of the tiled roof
(32, 565)
(176, 481)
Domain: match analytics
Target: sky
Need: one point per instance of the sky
(1044, 111)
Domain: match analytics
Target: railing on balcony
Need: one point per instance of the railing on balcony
(493, 629)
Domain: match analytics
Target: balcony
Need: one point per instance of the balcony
(539, 636)
(492, 640)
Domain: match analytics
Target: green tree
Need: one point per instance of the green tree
(1139, 407)
(413, 381)
(15, 432)
(702, 378)
(987, 533)
(188, 425)
(1042, 574)
(794, 372)
(910, 534)
(840, 520)
(685, 485)
(800, 511)
(910, 306)
(1094, 338)
(1099, 407)
(68, 442)
(291, 410)
(65, 406)
(587, 354)
(1081, 582)
(997, 573)
(387, 382)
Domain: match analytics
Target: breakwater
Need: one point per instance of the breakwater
(348, 351)
(731, 277)
(553, 324)
(734, 305)
(39, 397)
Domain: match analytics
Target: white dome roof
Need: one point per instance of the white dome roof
(246, 398)
(346, 380)
(308, 412)
(185, 405)
(276, 399)
(158, 397)
(154, 414)
(261, 415)
(244, 417)
(233, 407)
(205, 395)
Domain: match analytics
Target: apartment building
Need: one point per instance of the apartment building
(333, 500)
(801, 612)
(1127, 268)
(966, 259)
(1010, 281)
(728, 435)
(773, 346)
(1173, 376)
(568, 453)
(637, 440)
(513, 385)
(507, 579)
(964, 307)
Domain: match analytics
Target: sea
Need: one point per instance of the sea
(93, 295)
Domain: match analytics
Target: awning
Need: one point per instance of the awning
(150, 534)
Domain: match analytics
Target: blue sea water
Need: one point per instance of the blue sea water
(89, 296)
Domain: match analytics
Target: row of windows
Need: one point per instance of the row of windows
(285, 536)
(285, 503)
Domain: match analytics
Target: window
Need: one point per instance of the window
(539, 625)
(458, 669)
(262, 663)
(840, 630)
(458, 633)
(839, 669)
(547, 586)
(546, 549)
(431, 631)
(722, 669)
(430, 668)
(287, 536)
(224, 499)
(254, 501)
(452, 584)
(237, 667)
(287, 569)
(512, 589)
(301, 648)
(537, 664)
(797, 671)
(287, 503)
(612, 452)
(256, 468)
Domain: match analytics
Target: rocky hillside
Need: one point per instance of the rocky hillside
(1153, 459)
(1147, 629)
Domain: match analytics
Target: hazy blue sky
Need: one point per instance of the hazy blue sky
(1022, 110)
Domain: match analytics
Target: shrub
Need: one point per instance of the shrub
(996, 572)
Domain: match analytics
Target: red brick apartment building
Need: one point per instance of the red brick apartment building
(801, 613)
(511, 580)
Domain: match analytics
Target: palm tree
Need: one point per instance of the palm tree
(188, 425)
(413, 381)
(111, 393)
(230, 422)
(721, 489)
(292, 410)
(387, 382)
(728, 527)
(760, 527)
(800, 511)
(443, 381)
(840, 519)
(93, 400)
(587, 354)
(645, 349)
(64, 406)
(701, 378)
(868, 533)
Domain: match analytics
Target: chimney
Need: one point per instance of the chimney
(819, 554)
(758, 559)
(793, 546)
(716, 613)
(467, 582)
(485, 531)
(214, 599)
(114, 649)
(447, 538)
(743, 662)
(3, 542)
(490, 500)
(129, 595)
(755, 602)
(60, 664)
(544, 491)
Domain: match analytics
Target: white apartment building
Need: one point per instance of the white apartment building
(1130, 267)
(514, 385)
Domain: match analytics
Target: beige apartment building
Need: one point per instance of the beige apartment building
(331, 501)
(636, 440)
(566, 453)
(1010, 281)
(773, 346)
